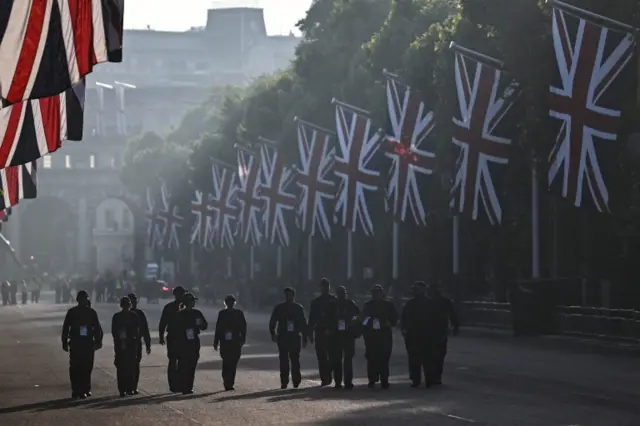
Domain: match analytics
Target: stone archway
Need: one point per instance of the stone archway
(48, 235)
(114, 236)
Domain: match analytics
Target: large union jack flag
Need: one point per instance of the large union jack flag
(170, 219)
(202, 230)
(17, 183)
(248, 197)
(154, 232)
(411, 124)
(31, 129)
(315, 178)
(275, 190)
(48, 45)
(590, 58)
(358, 142)
(225, 205)
(485, 96)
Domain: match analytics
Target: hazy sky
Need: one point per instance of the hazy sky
(172, 15)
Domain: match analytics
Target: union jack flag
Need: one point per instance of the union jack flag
(411, 124)
(48, 45)
(31, 129)
(315, 179)
(169, 216)
(358, 142)
(249, 197)
(17, 183)
(275, 191)
(154, 233)
(484, 98)
(203, 226)
(224, 203)
(590, 59)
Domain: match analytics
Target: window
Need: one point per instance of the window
(46, 162)
(110, 220)
(126, 219)
(67, 161)
(92, 161)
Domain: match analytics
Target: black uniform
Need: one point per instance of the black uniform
(82, 333)
(189, 323)
(125, 328)
(231, 334)
(321, 312)
(144, 335)
(168, 324)
(343, 340)
(417, 337)
(441, 311)
(291, 332)
(378, 318)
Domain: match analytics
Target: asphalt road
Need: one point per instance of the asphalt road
(490, 379)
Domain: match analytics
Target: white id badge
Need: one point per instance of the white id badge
(122, 335)
(290, 327)
(190, 334)
(228, 335)
(342, 326)
(376, 324)
(365, 321)
(84, 331)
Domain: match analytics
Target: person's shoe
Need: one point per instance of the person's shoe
(337, 386)
(348, 386)
(89, 394)
(122, 394)
(295, 385)
(371, 385)
(437, 383)
(229, 388)
(74, 396)
(189, 392)
(385, 385)
(135, 392)
(83, 396)
(415, 385)
(325, 383)
(130, 393)
(284, 386)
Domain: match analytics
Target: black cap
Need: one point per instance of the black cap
(325, 281)
(230, 298)
(82, 296)
(132, 296)
(125, 301)
(290, 290)
(179, 290)
(189, 296)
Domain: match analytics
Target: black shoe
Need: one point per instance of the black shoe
(229, 388)
(325, 383)
(83, 396)
(295, 385)
(135, 392)
(337, 386)
(348, 386)
(74, 396)
(437, 383)
(122, 394)
(173, 390)
(371, 385)
(415, 385)
(284, 386)
(385, 385)
(130, 393)
(189, 392)
(88, 394)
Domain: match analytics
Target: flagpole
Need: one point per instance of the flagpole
(535, 224)
(279, 262)
(395, 238)
(251, 259)
(349, 254)
(455, 245)
(309, 258)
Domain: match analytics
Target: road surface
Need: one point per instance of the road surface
(490, 379)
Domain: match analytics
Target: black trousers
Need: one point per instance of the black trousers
(419, 354)
(136, 367)
(187, 363)
(343, 348)
(125, 363)
(378, 347)
(437, 354)
(323, 349)
(230, 354)
(172, 368)
(80, 368)
(289, 354)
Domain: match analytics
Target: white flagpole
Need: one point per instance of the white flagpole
(309, 258)
(535, 224)
(349, 254)
(455, 245)
(395, 237)
(251, 267)
(279, 262)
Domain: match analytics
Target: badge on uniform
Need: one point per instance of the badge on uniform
(228, 335)
(190, 334)
(376, 324)
(84, 331)
(342, 326)
(290, 327)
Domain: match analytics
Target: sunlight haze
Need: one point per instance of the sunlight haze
(169, 15)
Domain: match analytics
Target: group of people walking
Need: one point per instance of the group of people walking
(9, 291)
(335, 323)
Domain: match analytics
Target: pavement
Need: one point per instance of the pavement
(490, 379)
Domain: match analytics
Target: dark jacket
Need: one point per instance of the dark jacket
(189, 324)
(290, 320)
(168, 319)
(125, 329)
(81, 328)
(231, 327)
(441, 312)
(322, 312)
(345, 313)
(144, 327)
(378, 316)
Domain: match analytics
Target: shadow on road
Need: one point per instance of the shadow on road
(56, 404)
(117, 402)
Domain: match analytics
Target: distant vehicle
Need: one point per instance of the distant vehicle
(166, 291)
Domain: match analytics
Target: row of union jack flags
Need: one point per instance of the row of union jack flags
(47, 48)
(339, 170)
